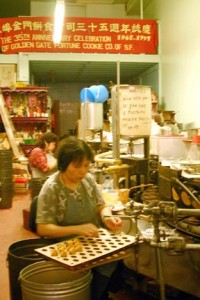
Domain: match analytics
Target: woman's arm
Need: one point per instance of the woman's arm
(38, 159)
(52, 165)
(56, 231)
(111, 222)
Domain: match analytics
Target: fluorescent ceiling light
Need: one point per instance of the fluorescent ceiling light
(58, 21)
(96, 1)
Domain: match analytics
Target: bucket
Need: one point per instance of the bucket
(124, 195)
(100, 93)
(92, 114)
(86, 95)
(95, 93)
(50, 280)
(20, 255)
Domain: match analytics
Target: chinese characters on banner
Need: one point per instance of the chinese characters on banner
(80, 35)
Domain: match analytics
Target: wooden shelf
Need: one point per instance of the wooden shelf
(28, 120)
(25, 89)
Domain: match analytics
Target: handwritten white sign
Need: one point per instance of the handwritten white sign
(135, 110)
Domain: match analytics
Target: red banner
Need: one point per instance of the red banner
(80, 35)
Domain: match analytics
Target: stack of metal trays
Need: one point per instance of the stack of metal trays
(6, 179)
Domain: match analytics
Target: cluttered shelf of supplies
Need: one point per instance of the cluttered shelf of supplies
(25, 116)
(28, 109)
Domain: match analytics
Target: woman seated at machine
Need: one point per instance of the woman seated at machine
(42, 161)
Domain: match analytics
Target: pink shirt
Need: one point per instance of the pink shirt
(38, 159)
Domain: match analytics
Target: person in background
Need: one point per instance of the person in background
(70, 203)
(42, 162)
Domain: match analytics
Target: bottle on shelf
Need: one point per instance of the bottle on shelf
(110, 195)
(108, 183)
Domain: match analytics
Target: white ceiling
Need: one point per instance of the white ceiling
(86, 71)
(132, 6)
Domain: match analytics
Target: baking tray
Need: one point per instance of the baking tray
(93, 250)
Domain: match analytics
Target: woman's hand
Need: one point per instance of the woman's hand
(56, 231)
(88, 230)
(113, 223)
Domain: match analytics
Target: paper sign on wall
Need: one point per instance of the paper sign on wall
(135, 110)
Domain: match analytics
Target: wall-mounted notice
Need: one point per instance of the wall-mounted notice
(7, 75)
(135, 110)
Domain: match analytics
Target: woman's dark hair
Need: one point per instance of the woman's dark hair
(73, 150)
(47, 137)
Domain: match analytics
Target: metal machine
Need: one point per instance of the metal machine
(166, 247)
(162, 251)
